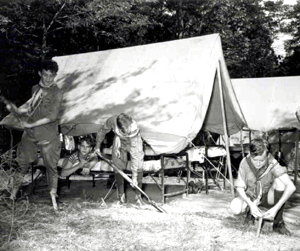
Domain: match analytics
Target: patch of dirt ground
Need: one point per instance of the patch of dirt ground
(197, 222)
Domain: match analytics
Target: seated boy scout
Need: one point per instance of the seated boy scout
(262, 182)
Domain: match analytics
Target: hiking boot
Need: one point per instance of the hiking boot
(280, 228)
(191, 187)
(140, 203)
(59, 201)
(249, 219)
(122, 199)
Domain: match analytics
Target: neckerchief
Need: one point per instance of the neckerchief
(35, 101)
(259, 174)
(134, 130)
(37, 98)
(46, 86)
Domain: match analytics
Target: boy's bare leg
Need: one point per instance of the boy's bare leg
(14, 192)
(17, 181)
(53, 196)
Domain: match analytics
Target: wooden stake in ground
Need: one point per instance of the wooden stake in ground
(260, 220)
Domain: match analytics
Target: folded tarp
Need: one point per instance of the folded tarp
(169, 88)
(269, 103)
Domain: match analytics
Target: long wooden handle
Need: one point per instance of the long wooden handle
(7, 102)
(125, 176)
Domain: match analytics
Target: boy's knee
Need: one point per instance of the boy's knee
(238, 205)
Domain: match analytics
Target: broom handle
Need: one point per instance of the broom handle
(7, 102)
(125, 176)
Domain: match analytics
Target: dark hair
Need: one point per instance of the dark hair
(123, 122)
(89, 139)
(48, 65)
(258, 146)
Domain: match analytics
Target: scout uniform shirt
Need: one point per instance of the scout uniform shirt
(48, 107)
(259, 181)
(132, 143)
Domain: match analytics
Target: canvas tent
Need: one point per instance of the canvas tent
(171, 89)
(269, 103)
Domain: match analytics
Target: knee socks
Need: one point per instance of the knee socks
(120, 183)
(140, 183)
(277, 196)
(140, 179)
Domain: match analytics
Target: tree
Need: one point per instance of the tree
(34, 29)
(291, 64)
(25, 27)
(243, 26)
(277, 13)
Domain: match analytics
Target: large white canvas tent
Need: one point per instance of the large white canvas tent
(171, 89)
(269, 103)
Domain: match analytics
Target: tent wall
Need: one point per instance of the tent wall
(269, 103)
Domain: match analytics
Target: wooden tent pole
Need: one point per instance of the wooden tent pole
(242, 143)
(279, 146)
(296, 157)
(250, 137)
(225, 129)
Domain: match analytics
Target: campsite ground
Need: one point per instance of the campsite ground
(197, 222)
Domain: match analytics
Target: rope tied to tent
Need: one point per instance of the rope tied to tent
(219, 171)
(103, 204)
(194, 146)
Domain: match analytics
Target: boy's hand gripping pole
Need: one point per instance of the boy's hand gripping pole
(13, 111)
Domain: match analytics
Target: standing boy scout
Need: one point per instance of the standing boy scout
(127, 140)
(41, 127)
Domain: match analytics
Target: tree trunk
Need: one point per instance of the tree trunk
(179, 20)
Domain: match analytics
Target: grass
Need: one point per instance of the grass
(193, 223)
